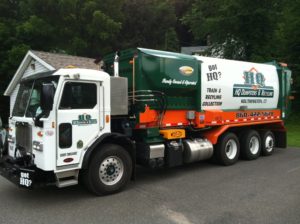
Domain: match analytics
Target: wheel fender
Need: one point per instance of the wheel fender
(114, 138)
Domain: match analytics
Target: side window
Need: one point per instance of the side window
(65, 135)
(78, 95)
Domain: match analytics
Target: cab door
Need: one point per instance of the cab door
(78, 119)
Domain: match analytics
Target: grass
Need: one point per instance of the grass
(293, 130)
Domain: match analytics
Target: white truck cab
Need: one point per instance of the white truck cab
(57, 118)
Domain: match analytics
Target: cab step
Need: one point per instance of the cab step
(67, 178)
(67, 183)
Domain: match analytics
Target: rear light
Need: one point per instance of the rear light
(291, 97)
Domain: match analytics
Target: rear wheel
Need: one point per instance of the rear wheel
(250, 145)
(267, 142)
(227, 149)
(109, 170)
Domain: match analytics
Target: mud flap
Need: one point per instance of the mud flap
(280, 139)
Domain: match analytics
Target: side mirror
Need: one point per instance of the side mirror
(47, 96)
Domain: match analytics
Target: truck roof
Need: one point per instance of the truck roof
(166, 54)
(87, 74)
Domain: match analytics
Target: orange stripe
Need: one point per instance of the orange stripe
(207, 118)
(242, 116)
(213, 135)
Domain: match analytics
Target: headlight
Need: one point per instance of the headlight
(37, 146)
(11, 139)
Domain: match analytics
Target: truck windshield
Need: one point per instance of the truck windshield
(28, 98)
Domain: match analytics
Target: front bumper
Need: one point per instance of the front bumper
(25, 176)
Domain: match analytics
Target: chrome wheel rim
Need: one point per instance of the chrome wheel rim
(269, 143)
(231, 149)
(111, 170)
(254, 145)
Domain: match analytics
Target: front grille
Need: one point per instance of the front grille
(23, 136)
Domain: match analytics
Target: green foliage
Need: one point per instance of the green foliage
(82, 27)
(289, 35)
(227, 22)
(76, 27)
(149, 24)
(171, 40)
(34, 30)
(293, 130)
(230, 48)
(9, 15)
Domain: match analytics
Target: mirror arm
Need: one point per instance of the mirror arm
(37, 121)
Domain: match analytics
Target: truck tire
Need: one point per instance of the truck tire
(267, 142)
(250, 145)
(109, 170)
(1, 148)
(227, 149)
(3, 145)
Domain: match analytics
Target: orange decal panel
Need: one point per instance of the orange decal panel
(228, 117)
(213, 134)
(169, 118)
(173, 118)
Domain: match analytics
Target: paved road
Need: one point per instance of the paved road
(266, 190)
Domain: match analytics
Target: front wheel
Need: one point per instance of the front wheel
(109, 170)
(1, 148)
(227, 149)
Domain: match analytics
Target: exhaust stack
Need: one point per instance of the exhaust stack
(116, 64)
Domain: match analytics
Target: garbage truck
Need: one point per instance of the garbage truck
(143, 107)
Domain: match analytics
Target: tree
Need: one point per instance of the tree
(184, 34)
(73, 26)
(11, 49)
(150, 24)
(250, 24)
(289, 41)
(77, 27)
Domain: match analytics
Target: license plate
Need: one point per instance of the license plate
(26, 178)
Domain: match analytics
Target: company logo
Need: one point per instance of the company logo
(253, 86)
(186, 70)
(84, 119)
(177, 134)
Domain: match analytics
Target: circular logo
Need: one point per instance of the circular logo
(176, 134)
(186, 70)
